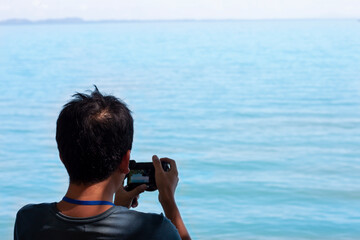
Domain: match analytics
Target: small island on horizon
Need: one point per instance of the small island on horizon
(72, 20)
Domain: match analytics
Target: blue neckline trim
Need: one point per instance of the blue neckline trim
(80, 202)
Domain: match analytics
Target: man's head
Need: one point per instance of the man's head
(94, 132)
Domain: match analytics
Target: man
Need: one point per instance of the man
(94, 136)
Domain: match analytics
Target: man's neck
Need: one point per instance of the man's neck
(91, 192)
(102, 191)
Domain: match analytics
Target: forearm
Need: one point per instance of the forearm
(172, 212)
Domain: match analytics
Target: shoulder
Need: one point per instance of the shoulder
(140, 217)
(30, 218)
(149, 224)
(33, 213)
(31, 209)
(166, 230)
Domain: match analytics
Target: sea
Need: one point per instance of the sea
(262, 118)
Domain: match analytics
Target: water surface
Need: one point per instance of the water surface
(263, 118)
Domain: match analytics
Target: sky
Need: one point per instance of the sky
(179, 9)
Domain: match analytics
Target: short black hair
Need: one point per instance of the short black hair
(93, 133)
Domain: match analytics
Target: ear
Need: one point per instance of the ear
(124, 165)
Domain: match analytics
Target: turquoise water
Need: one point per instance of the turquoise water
(263, 118)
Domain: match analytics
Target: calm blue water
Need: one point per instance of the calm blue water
(263, 118)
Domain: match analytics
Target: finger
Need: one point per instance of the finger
(138, 190)
(173, 167)
(157, 164)
(135, 202)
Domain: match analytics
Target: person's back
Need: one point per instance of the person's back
(94, 136)
(44, 221)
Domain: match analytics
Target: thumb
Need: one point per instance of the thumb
(157, 164)
(138, 190)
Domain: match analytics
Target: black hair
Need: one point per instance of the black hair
(93, 134)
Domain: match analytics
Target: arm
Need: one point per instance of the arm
(166, 183)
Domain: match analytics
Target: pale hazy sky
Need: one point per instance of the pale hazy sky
(179, 9)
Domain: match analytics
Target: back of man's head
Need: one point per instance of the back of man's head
(93, 133)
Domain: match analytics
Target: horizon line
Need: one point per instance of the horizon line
(70, 20)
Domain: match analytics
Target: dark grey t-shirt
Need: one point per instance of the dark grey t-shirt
(45, 222)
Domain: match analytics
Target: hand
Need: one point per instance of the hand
(166, 181)
(129, 198)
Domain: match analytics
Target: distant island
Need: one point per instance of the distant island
(75, 20)
(19, 21)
